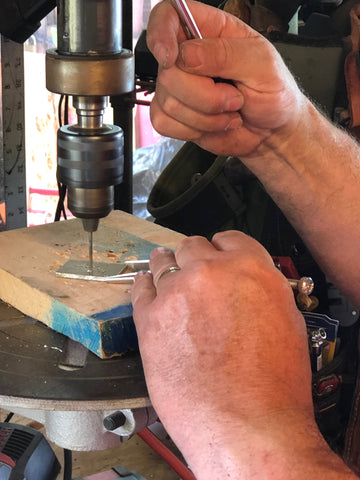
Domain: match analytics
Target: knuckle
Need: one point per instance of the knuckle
(260, 272)
(200, 276)
(213, 103)
(222, 54)
(230, 234)
(170, 106)
(187, 243)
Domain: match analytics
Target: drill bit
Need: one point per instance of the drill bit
(90, 225)
(91, 262)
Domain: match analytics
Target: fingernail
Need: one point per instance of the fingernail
(234, 123)
(140, 274)
(159, 251)
(191, 55)
(234, 104)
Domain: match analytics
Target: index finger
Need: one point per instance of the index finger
(164, 30)
(162, 33)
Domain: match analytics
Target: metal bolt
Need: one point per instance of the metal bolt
(303, 285)
(114, 421)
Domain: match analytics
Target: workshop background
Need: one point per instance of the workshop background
(41, 118)
(315, 42)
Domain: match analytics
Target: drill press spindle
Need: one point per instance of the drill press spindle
(90, 65)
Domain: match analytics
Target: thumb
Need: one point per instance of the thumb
(237, 59)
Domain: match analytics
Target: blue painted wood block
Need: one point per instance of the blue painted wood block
(96, 314)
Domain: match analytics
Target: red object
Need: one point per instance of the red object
(287, 267)
(4, 459)
(44, 191)
(326, 385)
(171, 459)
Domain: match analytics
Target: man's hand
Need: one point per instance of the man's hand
(224, 349)
(221, 118)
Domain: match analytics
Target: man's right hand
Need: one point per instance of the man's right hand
(222, 118)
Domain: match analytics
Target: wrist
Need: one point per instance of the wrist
(282, 446)
(287, 148)
(300, 151)
(291, 162)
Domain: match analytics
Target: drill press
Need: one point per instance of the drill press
(89, 64)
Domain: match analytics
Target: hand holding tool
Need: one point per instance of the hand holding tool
(191, 29)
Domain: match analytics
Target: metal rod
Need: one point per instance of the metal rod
(91, 261)
(191, 29)
(120, 278)
(189, 24)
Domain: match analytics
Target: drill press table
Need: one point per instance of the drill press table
(36, 382)
(37, 373)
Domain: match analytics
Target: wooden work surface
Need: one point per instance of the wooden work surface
(96, 314)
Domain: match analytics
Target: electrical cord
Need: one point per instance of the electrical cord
(67, 464)
(172, 460)
(9, 417)
(60, 208)
(61, 101)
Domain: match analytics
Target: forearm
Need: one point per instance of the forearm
(290, 449)
(313, 174)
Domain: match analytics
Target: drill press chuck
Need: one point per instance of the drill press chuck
(90, 164)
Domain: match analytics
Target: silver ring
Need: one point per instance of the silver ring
(169, 270)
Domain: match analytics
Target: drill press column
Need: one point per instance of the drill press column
(90, 65)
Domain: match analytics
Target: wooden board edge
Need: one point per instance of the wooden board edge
(106, 334)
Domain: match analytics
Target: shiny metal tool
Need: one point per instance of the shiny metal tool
(127, 273)
(187, 20)
(132, 267)
(192, 30)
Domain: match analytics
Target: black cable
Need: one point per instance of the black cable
(59, 109)
(9, 417)
(64, 99)
(66, 110)
(60, 208)
(67, 464)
